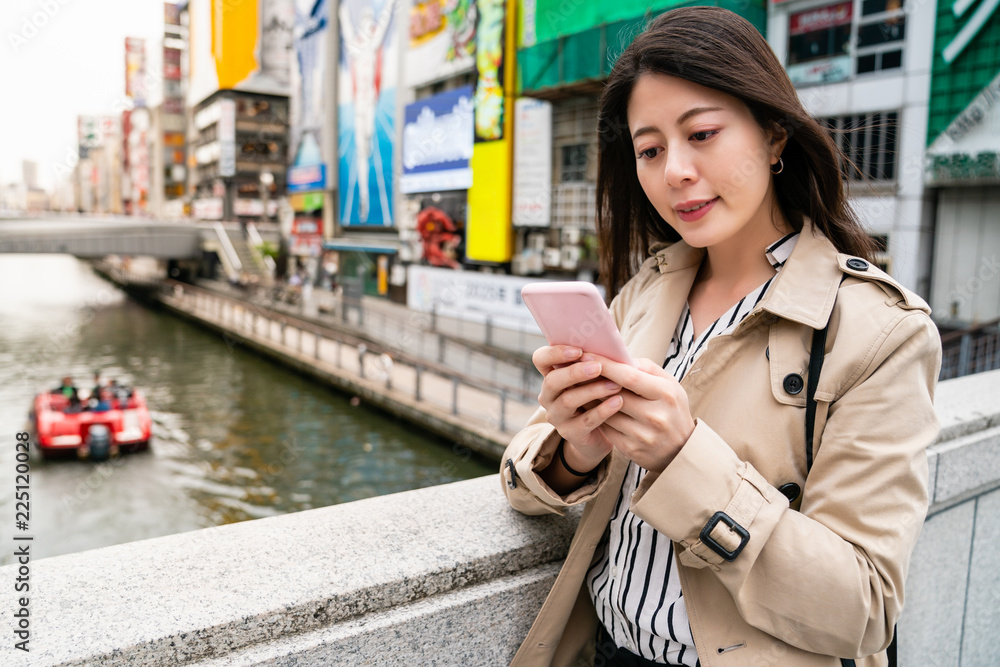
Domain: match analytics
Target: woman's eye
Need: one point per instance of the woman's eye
(649, 153)
(704, 135)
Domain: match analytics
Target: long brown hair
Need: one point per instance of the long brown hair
(717, 49)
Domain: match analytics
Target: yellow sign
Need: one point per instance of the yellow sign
(234, 38)
(488, 231)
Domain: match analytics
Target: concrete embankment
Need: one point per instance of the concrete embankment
(473, 411)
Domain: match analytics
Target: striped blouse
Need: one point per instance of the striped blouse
(633, 581)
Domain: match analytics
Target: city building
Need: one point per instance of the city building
(168, 136)
(963, 167)
(863, 68)
(564, 56)
(238, 86)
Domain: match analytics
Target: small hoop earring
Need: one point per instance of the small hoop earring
(781, 167)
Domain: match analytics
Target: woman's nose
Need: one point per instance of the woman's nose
(678, 168)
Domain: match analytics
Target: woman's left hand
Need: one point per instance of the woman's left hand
(654, 421)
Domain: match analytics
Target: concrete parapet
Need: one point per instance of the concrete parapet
(450, 575)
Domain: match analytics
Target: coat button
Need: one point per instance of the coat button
(790, 491)
(857, 264)
(767, 352)
(793, 383)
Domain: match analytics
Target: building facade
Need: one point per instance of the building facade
(863, 68)
(963, 167)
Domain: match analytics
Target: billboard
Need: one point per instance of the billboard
(308, 170)
(489, 67)
(135, 70)
(469, 295)
(245, 45)
(442, 39)
(367, 110)
(532, 162)
(963, 143)
(437, 143)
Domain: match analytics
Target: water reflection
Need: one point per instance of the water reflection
(235, 437)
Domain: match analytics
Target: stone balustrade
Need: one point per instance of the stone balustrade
(449, 575)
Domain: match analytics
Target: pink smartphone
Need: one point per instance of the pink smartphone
(573, 313)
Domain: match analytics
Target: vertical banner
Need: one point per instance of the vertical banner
(227, 137)
(489, 232)
(532, 162)
(489, 67)
(367, 110)
(135, 70)
(308, 170)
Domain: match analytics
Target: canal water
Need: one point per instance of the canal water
(235, 437)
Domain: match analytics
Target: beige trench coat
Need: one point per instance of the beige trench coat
(822, 578)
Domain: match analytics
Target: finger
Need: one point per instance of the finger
(646, 379)
(559, 380)
(548, 357)
(585, 422)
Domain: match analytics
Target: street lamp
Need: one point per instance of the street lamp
(266, 179)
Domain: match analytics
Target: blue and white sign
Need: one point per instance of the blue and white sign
(306, 179)
(437, 143)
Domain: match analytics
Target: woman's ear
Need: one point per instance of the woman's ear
(777, 137)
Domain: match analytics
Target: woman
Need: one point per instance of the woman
(715, 531)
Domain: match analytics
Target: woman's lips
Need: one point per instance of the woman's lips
(698, 212)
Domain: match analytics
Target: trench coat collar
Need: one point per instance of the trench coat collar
(804, 290)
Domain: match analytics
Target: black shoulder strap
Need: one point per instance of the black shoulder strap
(816, 355)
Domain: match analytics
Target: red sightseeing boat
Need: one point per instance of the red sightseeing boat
(95, 432)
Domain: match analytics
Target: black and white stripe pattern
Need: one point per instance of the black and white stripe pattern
(633, 581)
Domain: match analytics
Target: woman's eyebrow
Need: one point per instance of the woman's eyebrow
(680, 120)
(694, 112)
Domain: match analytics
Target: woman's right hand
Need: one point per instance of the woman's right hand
(577, 401)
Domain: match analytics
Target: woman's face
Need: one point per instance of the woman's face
(702, 160)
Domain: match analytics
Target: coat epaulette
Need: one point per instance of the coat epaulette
(865, 270)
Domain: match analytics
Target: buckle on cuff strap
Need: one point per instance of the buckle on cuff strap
(708, 540)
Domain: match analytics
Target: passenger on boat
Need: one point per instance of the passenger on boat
(120, 393)
(67, 389)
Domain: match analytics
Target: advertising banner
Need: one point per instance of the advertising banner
(442, 39)
(470, 296)
(171, 14)
(532, 162)
(244, 45)
(171, 63)
(829, 70)
(489, 67)
(367, 110)
(308, 171)
(227, 137)
(306, 179)
(437, 143)
(135, 70)
(820, 18)
(207, 209)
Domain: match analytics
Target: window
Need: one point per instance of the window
(819, 33)
(869, 142)
(819, 44)
(881, 31)
(573, 166)
(825, 44)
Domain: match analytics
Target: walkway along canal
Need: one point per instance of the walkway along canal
(472, 411)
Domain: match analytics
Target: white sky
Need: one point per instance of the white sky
(74, 65)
